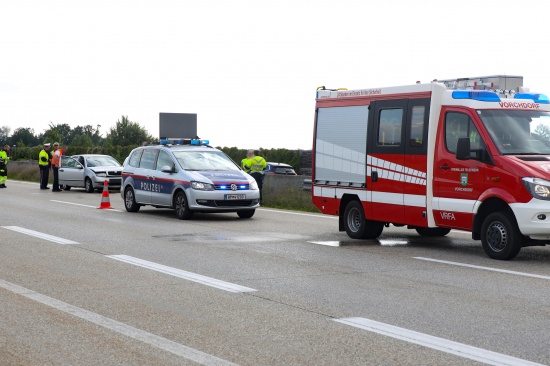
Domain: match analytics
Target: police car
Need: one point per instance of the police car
(189, 176)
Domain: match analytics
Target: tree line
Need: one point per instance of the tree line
(119, 141)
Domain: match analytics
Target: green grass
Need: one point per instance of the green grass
(288, 199)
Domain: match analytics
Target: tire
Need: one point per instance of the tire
(500, 236)
(355, 224)
(246, 214)
(88, 186)
(130, 200)
(67, 188)
(181, 207)
(432, 231)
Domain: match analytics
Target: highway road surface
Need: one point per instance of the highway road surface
(86, 286)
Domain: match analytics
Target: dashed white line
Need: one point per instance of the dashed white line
(441, 344)
(484, 268)
(209, 281)
(118, 327)
(40, 235)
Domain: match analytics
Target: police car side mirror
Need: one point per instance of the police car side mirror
(166, 169)
(463, 148)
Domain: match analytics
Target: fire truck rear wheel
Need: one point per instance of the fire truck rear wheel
(432, 231)
(500, 236)
(356, 225)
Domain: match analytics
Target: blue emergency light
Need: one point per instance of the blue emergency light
(537, 98)
(184, 142)
(482, 96)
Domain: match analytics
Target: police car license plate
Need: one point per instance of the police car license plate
(235, 196)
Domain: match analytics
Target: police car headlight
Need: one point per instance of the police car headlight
(202, 186)
(253, 185)
(539, 188)
(100, 174)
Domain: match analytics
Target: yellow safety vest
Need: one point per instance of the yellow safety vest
(256, 164)
(43, 158)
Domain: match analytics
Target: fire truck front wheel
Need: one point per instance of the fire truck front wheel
(356, 225)
(500, 236)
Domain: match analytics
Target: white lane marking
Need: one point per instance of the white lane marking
(485, 268)
(300, 214)
(441, 344)
(209, 281)
(40, 235)
(79, 204)
(118, 327)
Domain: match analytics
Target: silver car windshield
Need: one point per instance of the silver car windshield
(204, 160)
(518, 132)
(94, 161)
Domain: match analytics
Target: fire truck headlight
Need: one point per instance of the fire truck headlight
(539, 188)
(202, 186)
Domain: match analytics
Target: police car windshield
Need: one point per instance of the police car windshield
(204, 160)
(518, 132)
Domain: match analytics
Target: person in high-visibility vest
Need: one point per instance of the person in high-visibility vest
(244, 162)
(44, 164)
(256, 164)
(4, 158)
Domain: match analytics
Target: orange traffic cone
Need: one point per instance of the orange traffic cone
(105, 202)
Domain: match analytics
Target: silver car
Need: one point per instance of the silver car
(89, 171)
(187, 178)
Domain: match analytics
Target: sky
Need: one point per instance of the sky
(249, 69)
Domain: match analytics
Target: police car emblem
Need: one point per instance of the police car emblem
(233, 187)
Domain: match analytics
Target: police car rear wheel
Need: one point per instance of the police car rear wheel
(130, 200)
(500, 236)
(246, 214)
(181, 207)
(355, 224)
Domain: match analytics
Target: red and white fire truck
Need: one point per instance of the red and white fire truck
(469, 154)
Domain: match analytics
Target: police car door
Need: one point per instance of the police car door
(143, 176)
(162, 182)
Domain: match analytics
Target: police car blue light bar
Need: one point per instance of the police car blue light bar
(537, 98)
(184, 142)
(483, 96)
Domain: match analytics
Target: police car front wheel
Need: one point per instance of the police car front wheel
(246, 214)
(181, 207)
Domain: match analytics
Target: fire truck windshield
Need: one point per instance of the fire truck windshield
(518, 132)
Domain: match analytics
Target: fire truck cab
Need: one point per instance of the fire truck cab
(469, 154)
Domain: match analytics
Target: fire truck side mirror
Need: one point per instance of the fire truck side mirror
(463, 148)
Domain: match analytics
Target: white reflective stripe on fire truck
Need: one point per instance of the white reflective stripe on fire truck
(388, 170)
(454, 205)
(399, 199)
(372, 196)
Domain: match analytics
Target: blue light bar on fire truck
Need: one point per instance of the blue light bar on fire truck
(537, 98)
(483, 96)
(184, 142)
